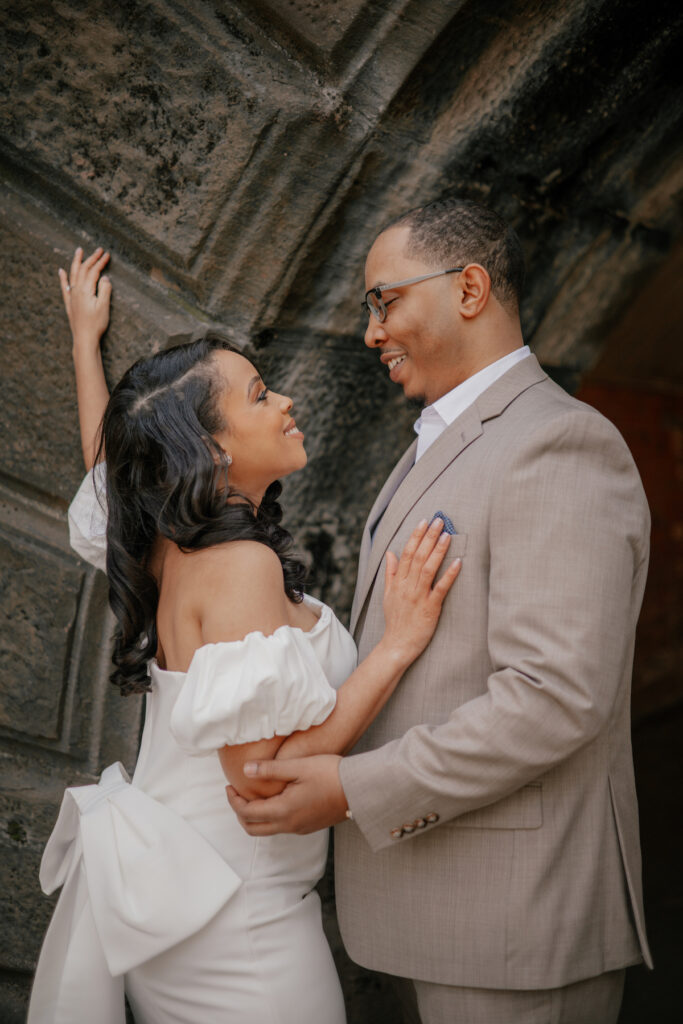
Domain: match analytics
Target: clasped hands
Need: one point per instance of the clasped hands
(312, 799)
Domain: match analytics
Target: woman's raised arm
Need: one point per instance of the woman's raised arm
(86, 299)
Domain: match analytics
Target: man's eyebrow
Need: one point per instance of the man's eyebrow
(254, 380)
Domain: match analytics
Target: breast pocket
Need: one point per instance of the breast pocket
(456, 549)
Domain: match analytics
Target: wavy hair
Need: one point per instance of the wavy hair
(168, 476)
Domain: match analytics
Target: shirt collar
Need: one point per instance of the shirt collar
(447, 408)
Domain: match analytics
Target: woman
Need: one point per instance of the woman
(164, 895)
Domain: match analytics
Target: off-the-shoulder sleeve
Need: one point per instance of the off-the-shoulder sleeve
(249, 690)
(88, 518)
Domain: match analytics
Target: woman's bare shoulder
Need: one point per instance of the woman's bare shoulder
(238, 554)
(236, 588)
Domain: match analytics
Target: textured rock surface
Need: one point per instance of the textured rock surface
(238, 157)
(40, 597)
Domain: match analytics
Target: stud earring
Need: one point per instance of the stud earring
(228, 460)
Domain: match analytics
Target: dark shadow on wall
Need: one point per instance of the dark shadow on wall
(657, 996)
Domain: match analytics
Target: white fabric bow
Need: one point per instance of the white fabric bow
(144, 876)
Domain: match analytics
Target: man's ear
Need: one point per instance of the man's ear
(475, 285)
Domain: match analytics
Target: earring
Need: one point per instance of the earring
(228, 460)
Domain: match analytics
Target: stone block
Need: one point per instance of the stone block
(134, 106)
(39, 594)
(320, 26)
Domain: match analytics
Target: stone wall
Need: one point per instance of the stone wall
(238, 158)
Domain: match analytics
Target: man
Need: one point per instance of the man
(493, 856)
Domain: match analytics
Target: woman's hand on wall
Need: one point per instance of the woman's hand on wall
(86, 297)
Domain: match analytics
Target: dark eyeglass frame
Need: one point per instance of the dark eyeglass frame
(380, 313)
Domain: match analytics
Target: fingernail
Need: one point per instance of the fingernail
(79, 249)
(105, 277)
(250, 768)
(457, 561)
(423, 522)
(439, 523)
(444, 537)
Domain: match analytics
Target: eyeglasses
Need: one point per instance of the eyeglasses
(373, 298)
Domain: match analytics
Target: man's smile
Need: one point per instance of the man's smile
(392, 360)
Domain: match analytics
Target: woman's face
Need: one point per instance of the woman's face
(260, 434)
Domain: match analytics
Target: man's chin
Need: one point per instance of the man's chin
(410, 392)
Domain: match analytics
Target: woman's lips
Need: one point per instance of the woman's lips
(291, 430)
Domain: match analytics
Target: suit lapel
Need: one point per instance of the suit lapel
(408, 482)
(418, 479)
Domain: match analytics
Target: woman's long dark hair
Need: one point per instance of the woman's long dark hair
(166, 475)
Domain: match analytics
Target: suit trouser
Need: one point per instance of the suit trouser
(592, 1001)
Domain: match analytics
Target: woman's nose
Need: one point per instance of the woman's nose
(286, 403)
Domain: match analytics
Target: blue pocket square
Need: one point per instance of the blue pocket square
(447, 524)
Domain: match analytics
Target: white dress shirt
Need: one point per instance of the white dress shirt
(436, 417)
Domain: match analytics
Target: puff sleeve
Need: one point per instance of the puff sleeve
(88, 518)
(249, 690)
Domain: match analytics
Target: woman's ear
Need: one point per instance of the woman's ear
(218, 454)
(221, 458)
(475, 285)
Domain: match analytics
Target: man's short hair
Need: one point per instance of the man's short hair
(453, 232)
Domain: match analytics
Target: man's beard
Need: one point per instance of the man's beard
(416, 403)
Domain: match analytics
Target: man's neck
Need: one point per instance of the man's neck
(473, 367)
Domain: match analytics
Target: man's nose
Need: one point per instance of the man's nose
(374, 334)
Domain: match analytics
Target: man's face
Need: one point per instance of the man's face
(418, 341)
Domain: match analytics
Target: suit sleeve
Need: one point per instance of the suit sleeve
(568, 539)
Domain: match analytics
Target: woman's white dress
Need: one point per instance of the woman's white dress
(164, 895)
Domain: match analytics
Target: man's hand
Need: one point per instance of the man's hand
(313, 798)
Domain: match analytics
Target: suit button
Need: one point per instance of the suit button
(407, 829)
(420, 823)
(431, 818)
(396, 833)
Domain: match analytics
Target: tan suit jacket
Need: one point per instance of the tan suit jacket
(495, 841)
